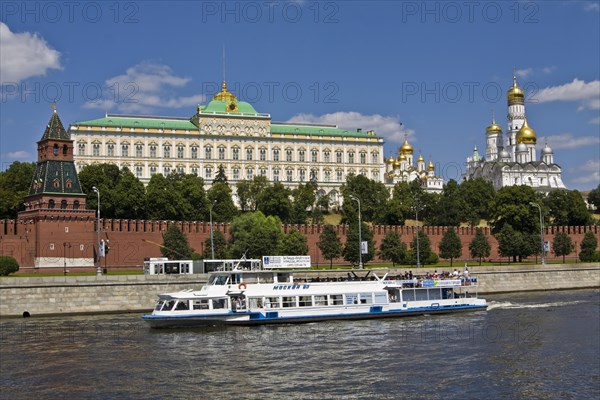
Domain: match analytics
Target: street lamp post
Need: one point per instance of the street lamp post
(360, 263)
(541, 230)
(99, 268)
(212, 243)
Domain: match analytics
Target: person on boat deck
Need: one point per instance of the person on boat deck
(455, 273)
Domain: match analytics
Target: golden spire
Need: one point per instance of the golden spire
(53, 105)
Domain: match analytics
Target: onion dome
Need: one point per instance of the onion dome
(504, 154)
(420, 159)
(406, 148)
(391, 160)
(515, 95)
(430, 166)
(402, 157)
(397, 163)
(546, 149)
(526, 135)
(493, 128)
(521, 148)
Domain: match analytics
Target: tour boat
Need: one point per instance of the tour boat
(258, 296)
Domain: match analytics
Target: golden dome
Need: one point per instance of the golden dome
(396, 163)
(515, 94)
(526, 135)
(225, 95)
(430, 166)
(493, 128)
(406, 148)
(402, 157)
(391, 160)
(420, 159)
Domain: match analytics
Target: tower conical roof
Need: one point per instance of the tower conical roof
(55, 128)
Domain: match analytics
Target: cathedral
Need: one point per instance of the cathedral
(511, 159)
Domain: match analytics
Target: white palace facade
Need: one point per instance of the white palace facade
(511, 159)
(232, 134)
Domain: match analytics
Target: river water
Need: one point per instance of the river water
(527, 345)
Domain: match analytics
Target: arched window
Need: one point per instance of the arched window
(65, 150)
(76, 205)
(55, 149)
(63, 205)
(51, 204)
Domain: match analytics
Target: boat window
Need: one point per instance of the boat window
(169, 306)
(289, 302)
(305, 301)
(219, 303)
(447, 293)
(183, 305)
(255, 302)
(380, 298)
(366, 298)
(272, 302)
(159, 305)
(200, 304)
(408, 295)
(218, 280)
(283, 277)
(320, 300)
(351, 298)
(421, 294)
(435, 294)
(336, 299)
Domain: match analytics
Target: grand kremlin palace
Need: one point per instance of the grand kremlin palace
(231, 133)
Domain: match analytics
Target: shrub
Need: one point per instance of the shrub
(8, 265)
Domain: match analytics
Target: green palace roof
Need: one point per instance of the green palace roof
(317, 130)
(133, 121)
(220, 107)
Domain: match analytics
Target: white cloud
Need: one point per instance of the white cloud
(24, 55)
(595, 121)
(588, 93)
(592, 7)
(589, 172)
(568, 141)
(144, 87)
(386, 126)
(528, 72)
(524, 73)
(19, 155)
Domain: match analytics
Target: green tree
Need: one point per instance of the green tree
(163, 201)
(567, 208)
(512, 243)
(450, 245)
(194, 205)
(14, 186)
(220, 176)
(175, 244)
(512, 206)
(476, 195)
(294, 244)
(426, 256)
(8, 265)
(304, 200)
(449, 207)
(223, 209)
(330, 244)
(588, 247)
(480, 245)
(350, 251)
(106, 178)
(594, 198)
(131, 197)
(373, 197)
(392, 248)
(275, 201)
(255, 235)
(220, 246)
(562, 245)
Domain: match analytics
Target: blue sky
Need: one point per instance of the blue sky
(432, 70)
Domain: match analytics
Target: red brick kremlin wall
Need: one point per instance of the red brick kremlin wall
(133, 240)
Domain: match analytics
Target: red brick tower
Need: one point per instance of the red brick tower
(62, 233)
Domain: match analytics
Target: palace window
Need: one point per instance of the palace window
(263, 154)
(288, 155)
(327, 156)
(180, 150)
(138, 171)
(194, 151)
(153, 170)
(125, 150)
(302, 175)
(195, 170)
(167, 151)
(81, 149)
(276, 175)
(249, 173)
(313, 175)
(289, 175)
(249, 154)
(208, 172)
(374, 157)
(236, 153)
(327, 176)
(221, 152)
(314, 155)
(139, 151)
(180, 169)
(338, 156)
(236, 173)
(110, 150)
(276, 155)
(375, 175)
(363, 157)
(263, 171)
(351, 157)
(153, 151)
(166, 170)
(339, 175)
(302, 155)
(208, 152)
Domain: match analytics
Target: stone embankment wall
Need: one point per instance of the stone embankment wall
(137, 293)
